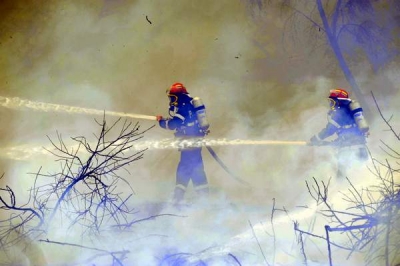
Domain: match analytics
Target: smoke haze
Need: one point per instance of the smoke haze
(122, 56)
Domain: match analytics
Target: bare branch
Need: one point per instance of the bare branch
(111, 253)
(262, 252)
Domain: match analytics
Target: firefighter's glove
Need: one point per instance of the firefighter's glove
(314, 141)
(162, 122)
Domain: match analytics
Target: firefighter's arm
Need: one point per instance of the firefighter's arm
(330, 129)
(161, 121)
(170, 123)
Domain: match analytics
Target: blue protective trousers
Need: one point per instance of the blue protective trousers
(190, 167)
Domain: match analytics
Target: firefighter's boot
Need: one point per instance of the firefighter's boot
(179, 194)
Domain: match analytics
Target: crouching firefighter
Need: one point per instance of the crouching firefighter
(188, 120)
(345, 118)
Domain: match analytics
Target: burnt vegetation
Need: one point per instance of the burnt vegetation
(370, 222)
(87, 194)
(348, 32)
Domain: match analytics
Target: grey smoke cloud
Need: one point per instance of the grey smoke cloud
(107, 55)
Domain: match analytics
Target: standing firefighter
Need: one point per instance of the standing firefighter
(346, 120)
(187, 118)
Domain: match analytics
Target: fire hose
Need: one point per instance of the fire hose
(215, 156)
(18, 103)
(252, 142)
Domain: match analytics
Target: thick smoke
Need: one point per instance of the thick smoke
(122, 55)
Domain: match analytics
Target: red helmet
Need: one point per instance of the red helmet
(177, 88)
(338, 97)
(338, 93)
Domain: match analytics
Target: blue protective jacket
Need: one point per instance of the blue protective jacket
(341, 121)
(183, 118)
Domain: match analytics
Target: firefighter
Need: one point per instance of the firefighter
(188, 120)
(345, 118)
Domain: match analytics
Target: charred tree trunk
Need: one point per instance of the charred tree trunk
(342, 62)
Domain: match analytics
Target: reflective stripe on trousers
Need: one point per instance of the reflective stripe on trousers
(190, 167)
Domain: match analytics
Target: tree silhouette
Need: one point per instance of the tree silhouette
(87, 189)
(346, 27)
(371, 220)
(86, 194)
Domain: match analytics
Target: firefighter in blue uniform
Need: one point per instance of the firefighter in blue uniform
(187, 119)
(346, 119)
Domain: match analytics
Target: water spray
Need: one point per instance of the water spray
(27, 152)
(21, 104)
